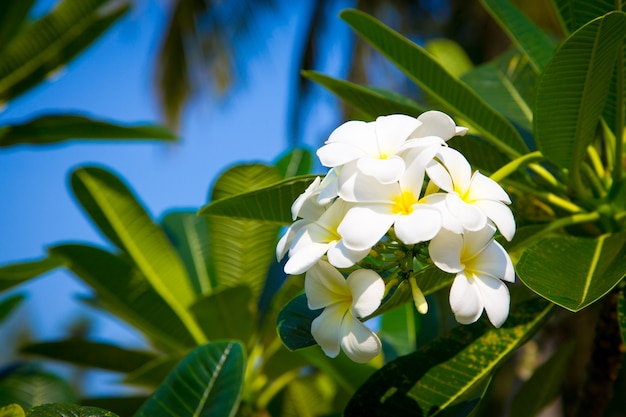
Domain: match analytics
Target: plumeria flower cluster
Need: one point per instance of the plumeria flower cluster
(395, 192)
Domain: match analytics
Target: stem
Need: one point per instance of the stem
(596, 162)
(516, 164)
(606, 360)
(594, 180)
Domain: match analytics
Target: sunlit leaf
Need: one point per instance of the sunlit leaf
(535, 43)
(208, 382)
(309, 396)
(125, 292)
(447, 372)
(370, 101)
(58, 128)
(242, 250)
(219, 320)
(12, 410)
(118, 214)
(53, 41)
(450, 55)
(190, 236)
(68, 410)
(15, 274)
(574, 272)
(270, 204)
(8, 305)
(91, 354)
(480, 154)
(295, 162)
(417, 64)
(543, 386)
(568, 108)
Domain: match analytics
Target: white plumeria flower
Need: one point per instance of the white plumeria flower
(344, 301)
(480, 263)
(470, 199)
(377, 147)
(314, 239)
(379, 206)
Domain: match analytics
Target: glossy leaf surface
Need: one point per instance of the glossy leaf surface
(582, 270)
(446, 372)
(576, 13)
(208, 382)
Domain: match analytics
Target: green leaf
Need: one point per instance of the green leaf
(295, 162)
(123, 406)
(543, 386)
(15, 274)
(398, 331)
(371, 101)
(114, 209)
(574, 272)
(450, 55)
(480, 154)
(447, 372)
(507, 84)
(218, 318)
(58, 128)
(13, 18)
(621, 313)
(91, 354)
(270, 204)
(12, 410)
(29, 387)
(53, 41)
(535, 43)
(68, 410)
(436, 81)
(154, 373)
(8, 305)
(189, 235)
(208, 382)
(308, 396)
(576, 13)
(242, 250)
(568, 108)
(126, 293)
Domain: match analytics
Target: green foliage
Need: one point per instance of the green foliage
(12, 410)
(8, 305)
(66, 410)
(29, 386)
(15, 274)
(208, 382)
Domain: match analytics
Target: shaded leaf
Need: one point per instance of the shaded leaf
(418, 65)
(543, 386)
(154, 372)
(568, 108)
(295, 162)
(8, 305)
(13, 18)
(576, 13)
(621, 313)
(118, 214)
(125, 292)
(309, 396)
(189, 235)
(398, 331)
(574, 272)
(122, 406)
(58, 128)
(480, 154)
(53, 41)
(68, 410)
(29, 387)
(447, 372)
(370, 101)
(15, 274)
(91, 354)
(208, 382)
(270, 204)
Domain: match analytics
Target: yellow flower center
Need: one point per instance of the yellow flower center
(403, 203)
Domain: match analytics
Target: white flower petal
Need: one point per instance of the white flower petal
(465, 300)
(304, 257)
(494, 261)
(337, 154)
(324, 285)
(342, 257)
(393, 130)
(484, 188)
(458, 168)
(364, 225)
(495, 297)
(445, 251)
(329, 187)
(460, 131)
(501, 215)
(419, 226)
(448, 220)
(436, 123)
(302, 199)
(287, 239)
(476, 241)
(358, 342)
(326, 328)
(367, 288)
(359, 188)
(356, 133)
(386, 170)
(470, 216)
(440, 176)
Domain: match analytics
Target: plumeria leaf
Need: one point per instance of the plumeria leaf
(370, 101)
(576, 13)
(450, 55)
(12, 410)
(153, 373)
(398, 331)
(68, 410)
(125, 291)
(189, 235)
(448, 372)
(296, 162)
(568, 109)
(28, 386)
(122, 406)
(15, 274)
(118, 214)
(529, 38)
(307, 396)
(269, 204)
(417, 64)
(208, 382)
(242, 250)
(543, 386)
(294, 323)
(53, 41)
(621, 312)
(13, 16)
(480, 154)
(8, 305)
(91, 354)
(574, 272)
(58, 128)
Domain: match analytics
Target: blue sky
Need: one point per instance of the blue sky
(114, 80)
